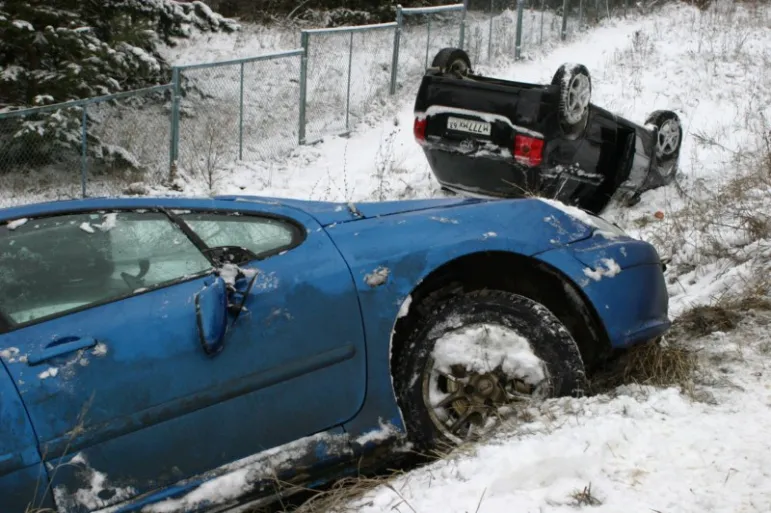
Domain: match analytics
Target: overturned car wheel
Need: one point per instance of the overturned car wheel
(669, 137)
(480, 357)
(575, 93)
(452, 61)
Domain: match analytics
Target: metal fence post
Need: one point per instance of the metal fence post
(462, 40)
(83, 149)
(428, 38)
(564, 34)
(520, 14)
(241, 118)
(540, 36)
(580, 13)
(305, 40)
(175, 100)
(397, 42)
(490, 35)
(348, 91)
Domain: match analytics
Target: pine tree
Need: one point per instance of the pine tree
(53, 51)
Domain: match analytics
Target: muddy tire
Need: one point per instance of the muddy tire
(452, 61)
(575, 95)
(508, 334)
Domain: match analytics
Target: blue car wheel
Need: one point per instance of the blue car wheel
(479, 357)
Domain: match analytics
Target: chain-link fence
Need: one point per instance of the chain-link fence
(420, 34)
(345, 69)
(260, 108)
(515, 28)
(101, 144)
(246, 109)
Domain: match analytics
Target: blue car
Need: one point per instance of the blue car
(171, 354)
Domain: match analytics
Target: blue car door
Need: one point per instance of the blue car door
(23, 481)
(114, 370)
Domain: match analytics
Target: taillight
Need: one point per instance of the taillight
(419, 129)
(528, 150)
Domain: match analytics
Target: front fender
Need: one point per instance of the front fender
(390, 256)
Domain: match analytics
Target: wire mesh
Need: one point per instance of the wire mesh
(492, 28)
(242, 110)
(209, 120)
(422, 36)
(271, 107)
(129, 142)
(347, 71)
(44, 156)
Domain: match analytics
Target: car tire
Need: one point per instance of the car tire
(575, 95)
(418, 368)
(452, 61)
(669, 138)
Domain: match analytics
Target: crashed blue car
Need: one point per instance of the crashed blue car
(187, 354)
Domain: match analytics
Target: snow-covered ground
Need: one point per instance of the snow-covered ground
(640, 449)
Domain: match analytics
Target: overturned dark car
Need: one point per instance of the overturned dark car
(490, 137)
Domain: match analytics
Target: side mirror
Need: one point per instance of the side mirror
(211, 315)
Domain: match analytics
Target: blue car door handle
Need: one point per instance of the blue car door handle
(61, 346)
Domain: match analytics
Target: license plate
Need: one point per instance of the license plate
(469, 126)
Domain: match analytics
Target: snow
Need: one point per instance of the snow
(607, 268)
(483, 348)
(48, 373)
(97, 495)
(574, 212)
(16, 223)
(108, 223)
(384, 432)
(377, 277)
(229, 273)
(86, 227)
(405, 308)
(235, 479)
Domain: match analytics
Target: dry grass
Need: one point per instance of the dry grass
(584, 497)
(660, 363)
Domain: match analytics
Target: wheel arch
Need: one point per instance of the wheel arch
(510, 272)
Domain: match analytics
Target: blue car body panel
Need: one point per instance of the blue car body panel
(23, 481)
(632, 304)
(308, 359)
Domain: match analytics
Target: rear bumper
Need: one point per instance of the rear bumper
(631, 303)
(482, 175)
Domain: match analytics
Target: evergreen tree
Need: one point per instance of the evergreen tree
(53, 51)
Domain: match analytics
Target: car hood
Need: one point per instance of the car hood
(328, 212)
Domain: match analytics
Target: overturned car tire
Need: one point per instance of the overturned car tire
(575, 93)
(669, 137)
(452, 61)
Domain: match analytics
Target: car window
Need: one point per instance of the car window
(260, 235)
(55, 264)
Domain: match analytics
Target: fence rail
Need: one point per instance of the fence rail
(261, 107)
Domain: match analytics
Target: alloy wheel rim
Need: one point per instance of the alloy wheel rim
(465, 404)
(578, 97)
(668, 138)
